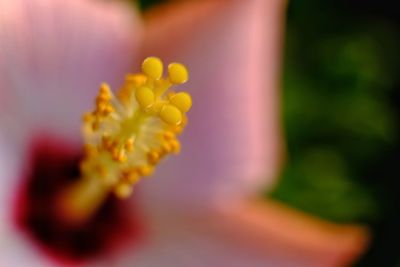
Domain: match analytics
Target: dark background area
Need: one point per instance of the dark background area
(341, 114)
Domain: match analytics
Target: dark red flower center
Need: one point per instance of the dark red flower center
(52, 167)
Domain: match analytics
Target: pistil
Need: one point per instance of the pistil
(126, 136)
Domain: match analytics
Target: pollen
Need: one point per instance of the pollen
(127, 134)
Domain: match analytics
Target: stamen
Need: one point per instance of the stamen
(128, 135)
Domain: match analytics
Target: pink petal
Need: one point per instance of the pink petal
(289, 234)
(55, 53)
(252, 235)
(232, 146)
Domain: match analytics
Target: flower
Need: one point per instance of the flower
(197, 208)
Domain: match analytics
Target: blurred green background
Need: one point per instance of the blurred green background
(341, 116)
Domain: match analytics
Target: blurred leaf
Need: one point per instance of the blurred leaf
(337, 109)
(320, 183)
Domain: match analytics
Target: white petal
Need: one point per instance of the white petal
(54, 54)
(15, 248)
(11, 171)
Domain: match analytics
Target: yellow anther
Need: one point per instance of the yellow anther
(153, 157)
(175, 145)
(152, 67)
(177, 73)
(106, 142)
(102, 98)
(171, 115)
(101, 170)
(119, 155)
(123, 95)
(182, 100)
(123, 190)
(101, 104)
(108, 109)
(89, 150)
(103, 109)
(136, 79)
(105, 90)
(145, 170)
(95, 125)
(132, 176)
(122, 157)
(145, 97)
(87, 117)
(168, 135)
(130, 144)
(166, 147)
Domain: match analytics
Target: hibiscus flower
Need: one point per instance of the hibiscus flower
(199, 209)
